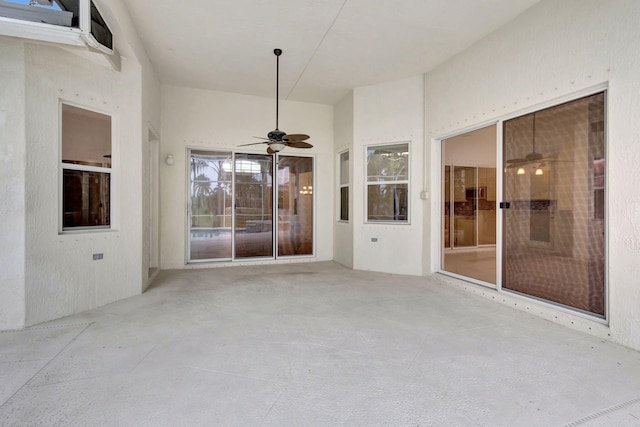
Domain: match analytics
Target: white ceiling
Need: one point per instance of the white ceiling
(330, 46)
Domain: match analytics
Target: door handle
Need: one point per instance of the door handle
(505, 205)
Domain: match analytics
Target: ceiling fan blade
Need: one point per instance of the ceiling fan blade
(270, 151)
(261, 137)
(516, 161)
(296, 137)
(534, 156)
(254, 143)
(298, 144)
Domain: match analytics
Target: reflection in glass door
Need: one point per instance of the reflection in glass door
(210, 205)
(295, 205)
(231, 206)
(554, 227)
(253, 227)
(464, 206)
(470, 218)
(469, 210)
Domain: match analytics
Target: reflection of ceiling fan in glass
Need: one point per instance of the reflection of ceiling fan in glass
(537, 160)
(533, 156)
(277, 140)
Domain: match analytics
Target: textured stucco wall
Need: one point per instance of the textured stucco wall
(343, 140)
(217, 120)
(47, 274)
(150, 134)
(61, 277)
(554, 51)
(12, 174)
(388, 113)
(131, 48)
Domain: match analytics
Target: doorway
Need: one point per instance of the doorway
(552, 200)
(469, 205)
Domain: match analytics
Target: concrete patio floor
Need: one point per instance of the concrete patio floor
(311, 344)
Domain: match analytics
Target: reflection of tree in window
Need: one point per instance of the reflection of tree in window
(387, 182)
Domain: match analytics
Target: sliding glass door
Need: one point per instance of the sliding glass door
(554, 193)
(253, 225)
(469, 205)
(210, 205)
(231, 207)
(295, 205)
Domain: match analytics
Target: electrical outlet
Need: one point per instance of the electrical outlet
(97, 256)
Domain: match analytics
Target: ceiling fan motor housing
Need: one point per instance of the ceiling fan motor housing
(276, 135)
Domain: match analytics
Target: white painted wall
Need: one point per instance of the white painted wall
(61, 277)
(217, 120)
(553, 51)
(130, 46)
(151, 135)
(343, 141)
(47, 274)
(12, 175)
(475, 148)
(389, 113)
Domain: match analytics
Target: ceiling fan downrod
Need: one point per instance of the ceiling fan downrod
(277, 134)
(277, 140)
(277, 52)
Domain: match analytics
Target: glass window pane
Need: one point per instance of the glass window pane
(295, 205)
(344, 204)
(344, 168)
(387, 202)
(211, 205)
(85, 198)
(86, 137)
(254, 205)
(388, 163)
(554, 180)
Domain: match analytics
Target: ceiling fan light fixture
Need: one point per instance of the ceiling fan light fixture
(539, 172)
(276, 146)
(521, 171)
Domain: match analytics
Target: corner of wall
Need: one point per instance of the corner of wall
(12, 188)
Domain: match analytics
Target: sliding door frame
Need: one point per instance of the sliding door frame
(274, 216)
(438, 167)
(437, 213)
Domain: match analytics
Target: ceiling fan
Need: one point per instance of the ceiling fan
(278, 140)
(533, 156)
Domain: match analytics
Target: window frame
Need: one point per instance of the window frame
(368, 183)
(62, 166)
(342, 185)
